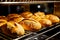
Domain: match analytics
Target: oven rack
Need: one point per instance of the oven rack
(23, 0)
(32, 35)
(44, 33)
(29, 2)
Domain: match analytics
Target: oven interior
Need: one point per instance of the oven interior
(19, 8)
(49, 33)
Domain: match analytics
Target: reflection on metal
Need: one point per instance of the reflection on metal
(29, 2)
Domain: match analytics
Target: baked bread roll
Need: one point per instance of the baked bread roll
(40, 14)
(15, 17)
(15, 28)
(26, 14)
(53, 18)
(3, 20)
(45, 22)
(3, 17)
(30, 25)
(12, 15)
(37, 18)
(5, 30)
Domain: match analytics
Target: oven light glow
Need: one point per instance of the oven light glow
(38, 6)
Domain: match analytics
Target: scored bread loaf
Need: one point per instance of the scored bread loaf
(53, 18)
(30, 25)
(15, 17)
(26, 14)
(3, 20)
(14, 27)
(40, 14)
(45, 22)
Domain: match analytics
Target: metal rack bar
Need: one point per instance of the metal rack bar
(29, 2)
(45, 31)
(23, 36)
(53, 35)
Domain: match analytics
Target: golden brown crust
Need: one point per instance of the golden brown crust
(40, 14)
(3, 20)
(15, 28)
(53, 18)
(26, 14)
(15, 17)
(37, 18)
(15, 23)
(3, 17)
(45, 22)
(31, 25)
(5, 30)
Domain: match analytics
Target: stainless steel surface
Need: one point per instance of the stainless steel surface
(53, 35)
(29, 2)
(24, 0)
(33, 35)
(44, 32)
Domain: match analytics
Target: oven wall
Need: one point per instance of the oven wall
(27, 8)
(57, 9)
